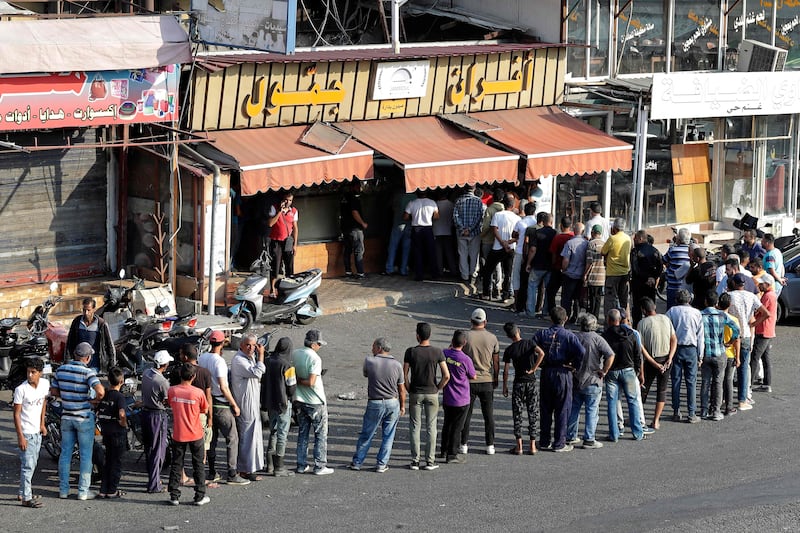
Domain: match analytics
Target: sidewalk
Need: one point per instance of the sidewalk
(344, 295)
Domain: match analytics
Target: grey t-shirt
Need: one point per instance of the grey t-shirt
(597, 350)
(575, 251)
(154, 390)
(384, 373)
(656, 330)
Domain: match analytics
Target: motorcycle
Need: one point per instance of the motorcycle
(8, 340)
(297, 296)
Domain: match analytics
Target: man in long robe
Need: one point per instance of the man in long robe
(247, 367)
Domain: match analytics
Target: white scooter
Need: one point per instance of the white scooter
(297, 296)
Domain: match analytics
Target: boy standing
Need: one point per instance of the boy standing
(114, 427)
(29, 409)
(187, 402)
(456, 397)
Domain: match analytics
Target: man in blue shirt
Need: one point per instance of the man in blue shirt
(467, 217)
(689, 329)
(715, 359)
(79, 389)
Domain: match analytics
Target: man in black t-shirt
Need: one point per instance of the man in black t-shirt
(539, 260)
(419, 370)
(114, 427)
(526, 358)
(353, 227)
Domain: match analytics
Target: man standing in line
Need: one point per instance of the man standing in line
(573, 267)
(594, 277)
(677, 262)
(556, 247)
(455, 397)
(487, 239)
(773, 262)
(765, 332)
(733, 267)
(646, 268)
(688, 324)
(731, 354)
(538, 261)
(90, 328)
(421, 212)
(588, 383)
(596, 220)
(617, 251)
(750, 312)
(526, 358)
(154, 419)
(400, 236)
(519, 275)
(563, 353)
(484, 350)
(419, 370)
(353, 227)
(247, 367)
(312, 408)
(225, 410)
(659, 342)
(701, 277)
(386, 403)
(622, 375)
(278, 385)
(714, 359)
(751, 248)
(79, 389)
(502, 252)
(467, 216)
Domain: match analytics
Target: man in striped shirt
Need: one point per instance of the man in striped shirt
(79, 388)
(714, 359)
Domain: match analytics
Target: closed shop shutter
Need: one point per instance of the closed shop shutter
(52, 209)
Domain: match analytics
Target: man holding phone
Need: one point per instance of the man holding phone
(282, 220)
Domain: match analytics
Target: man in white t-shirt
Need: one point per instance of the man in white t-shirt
(519, 275)
(503, 249)
(597, 218)
(29, 409)
(422, 212)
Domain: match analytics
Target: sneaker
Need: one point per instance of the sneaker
(592, 445)
(647, 430)
(717, 417)
(565, 448)
(543, 446)
(751, 401)
(238, 480)
(676, 416)
(360, 275)
(490, 449)
(574, 441)
(324, 471)
(380, 469)
(430, 466)
(204, 501)
(414, 465)
(456, 460)
(175, 503)
(303, 469)
(745, 406)
(693, 419)
(731, 411)
(348, 274)
(463, 449)
(63, 495)
(764, 388)
(213, 478)
(91, 495)
(353, 466)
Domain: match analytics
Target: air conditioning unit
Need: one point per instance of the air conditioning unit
(759, 57)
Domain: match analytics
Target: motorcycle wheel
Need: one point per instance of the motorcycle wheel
(305, 319)
(52, 442)
(245, 319)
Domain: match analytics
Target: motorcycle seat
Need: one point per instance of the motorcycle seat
(289, 283)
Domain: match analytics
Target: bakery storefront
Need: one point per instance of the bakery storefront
(432, 117)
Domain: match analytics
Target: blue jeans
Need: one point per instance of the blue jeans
(28, 460)
(684, 365)
(278, 431)
(588, 396)
(82, 433)
(316, 416)
(383, 412)
(743, 372)
(535, 277)
(400, 237)
(625, 379)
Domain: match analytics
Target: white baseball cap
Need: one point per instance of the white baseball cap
(479, 315)
(162, 357)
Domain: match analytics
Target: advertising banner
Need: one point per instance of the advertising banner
(82, 99)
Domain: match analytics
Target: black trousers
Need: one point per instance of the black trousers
(555, 402)
(198, 470)
(485, 393)
(424, 246)
(638, 291)
(454, 420)
(115, 444)
(552, 289)
(506, 262)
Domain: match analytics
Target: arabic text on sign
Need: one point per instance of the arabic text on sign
(276, 98)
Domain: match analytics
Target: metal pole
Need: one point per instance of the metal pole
(641, 161)
(396, 24)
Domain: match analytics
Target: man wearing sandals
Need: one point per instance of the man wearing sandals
(29, 409)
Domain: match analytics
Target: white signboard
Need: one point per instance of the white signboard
(724, 94)
(220, 233)
(258, 24)
(406, 79)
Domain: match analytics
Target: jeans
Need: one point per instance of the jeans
(454, 419)
(399, 238)
(115, 444)
(743, 372)
(713, 370)
(536, 277)
(727, 383)
(154, 435)
(485, 393)
(278, 424)
(469, 250)
(385, 413)
(198, 470)
(354, 244)
(80, 432)
(616, 293)
(223, 423)
(761, 347)
(588, 397)
(555, 402)
(684, 365)
(625, 379)
(312, 416)
(417, 403)
(28, 460)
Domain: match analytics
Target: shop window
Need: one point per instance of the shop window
(574, 194)
(737, 183)
(588, 24)
(696, 36)
(641, 37)
(778, 165)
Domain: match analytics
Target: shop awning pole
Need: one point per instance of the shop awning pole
(641, 160)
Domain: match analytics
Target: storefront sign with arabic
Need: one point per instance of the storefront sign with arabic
(74, 99)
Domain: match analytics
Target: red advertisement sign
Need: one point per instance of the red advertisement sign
(70, 99)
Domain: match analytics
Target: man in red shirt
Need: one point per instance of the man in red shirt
(187, 402)
(556, 246)
(765, 332)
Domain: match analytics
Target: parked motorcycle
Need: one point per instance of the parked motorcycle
(297, 296)
(8, 339)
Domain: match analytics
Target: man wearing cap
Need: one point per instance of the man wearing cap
(155, 388)
(594, 277)
(87, 327)
(79, 389)
(484, 350)
(688, 324)
(247, 367)
(225, 409)
(617, 251)
(467, 217)
(312, 410)
(765, 332)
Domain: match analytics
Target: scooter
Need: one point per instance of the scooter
(297, 296)
(8, 340)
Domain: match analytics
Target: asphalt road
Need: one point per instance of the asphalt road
(740, 474)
